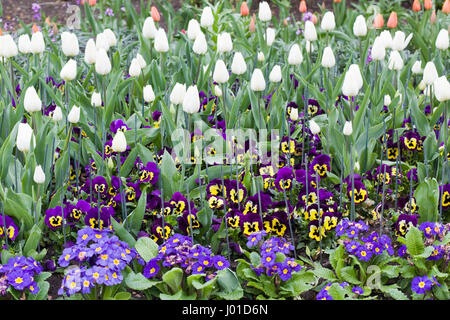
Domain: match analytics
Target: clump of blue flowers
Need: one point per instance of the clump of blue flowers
(97, 258)
(274, 256)
(323, 294)
(179, 250)
(19, 273)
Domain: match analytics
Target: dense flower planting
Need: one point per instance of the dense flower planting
(226, 151)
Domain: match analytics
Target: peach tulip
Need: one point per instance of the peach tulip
(302, 7)
(392, 21)
(428, 4)
(378, 22)
(155, 14)
(244, 9)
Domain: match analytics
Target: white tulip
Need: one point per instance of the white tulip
(220, 74)
(224, 43)
(149, 95)
(149, 28)
(386, 39)
(74, 115)
(295, 55)
(395, 61)
(178, 93)
(217, 91)
(352, 81)
(442, 41)
(387, 100)
(119, 143)
(193, 29)
(378, 49)
(430, 73)
(399, 42)
(8, 47)
(112, 40)
(257, 82)
(314, 127)
(135, 68)
(238, 65)
(417, 67)
(294, 114)
(207, 18)
(310, 31)
(37, 43)
(161, 42)
(360, 26)
(39, 175)
(24, 44)
(442, 89)
(348, 128)
(328, 59)
(69, 70)
(90, 53)
(264, 13)
(96, 99)
(69, 44)
(328, 22)
(269, 36)
(102, 63)
(260, 56)
(191, 101)
(102, 42)
(200, 45)
(24, 135)
(309, 46)
(32, 102)
(421, 85)
(57, 114)
(141, 60)
(275, 74)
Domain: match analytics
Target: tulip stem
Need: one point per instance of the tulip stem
(122, 198)
(4, 225)
(288, 213)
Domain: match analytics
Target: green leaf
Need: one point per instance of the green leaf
(147, 248)
(137, 281)
(414, 241)
(137, 216)
(173, 279)
(122, 296)
(337, 292)
(122, 233)
(33, 240)
(427, 197)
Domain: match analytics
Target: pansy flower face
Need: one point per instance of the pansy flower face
(179, 203)
(10, 228)
(215, 188)
(236, 194)
(234, 218)
(445, 198)
(313, 107)
(100, 186)
(187, 222)
(132, 192)
(99, 219)
(383, 174)
(359, 192)
(411, 140)
(392, 151)
(251, 223)
(216, 202)
(316, 232)
(404, 222)
(276, 224)
(287, 146)
(321, 165)
(108, 149)
(54, 218)
(149, 174)
(284, 179)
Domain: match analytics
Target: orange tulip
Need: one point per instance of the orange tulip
(1, 32)
(446, 7)
(155, 14)
(302, 7)
(433, 17)
(337, 1)
(416, 6)
(252, 25)
(314, 19)
(428, 4)
(378, 22)
(244, 9)
(392, 21)
(35, 28)
(90, 2)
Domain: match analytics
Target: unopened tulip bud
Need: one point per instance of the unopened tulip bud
(392, 21)
(102, 42)
(220, 74)
(57, 114)
(102, 63)
(295, 55)
(119, 143)
(244, 9)
(314, 127)
(69, 44)
(269, 36)
(378, 22)
(275, 74)
(217, 91)
(32, 102)
(24, 44)
(69, 71)
(155, 14)
(328, 22)
(96, 99)
(310, 31)
(360, 27)
(224, 43)
(260, 56)
(238, 65)
(387, 100)
(442, 41)
(428, 4)
(252, 24)
(149, 95)
(207, 18)
(200, 45)
(417, 67)
(149, 28)
(294, 114)
(193, 29)
(90, 52)
(74, 115)
(264, 13)
(302, 8)
(24, 136)
(442, 89)
(430, 73)
(8, 47)
(39, 175)
(395, 61)
(191, 101)
(111, 37)
(328, 59)
(257, 82)
(135, 68)
(178, 93)
(348, 128)
(37, 43)
(161, 42)
(416, 6)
